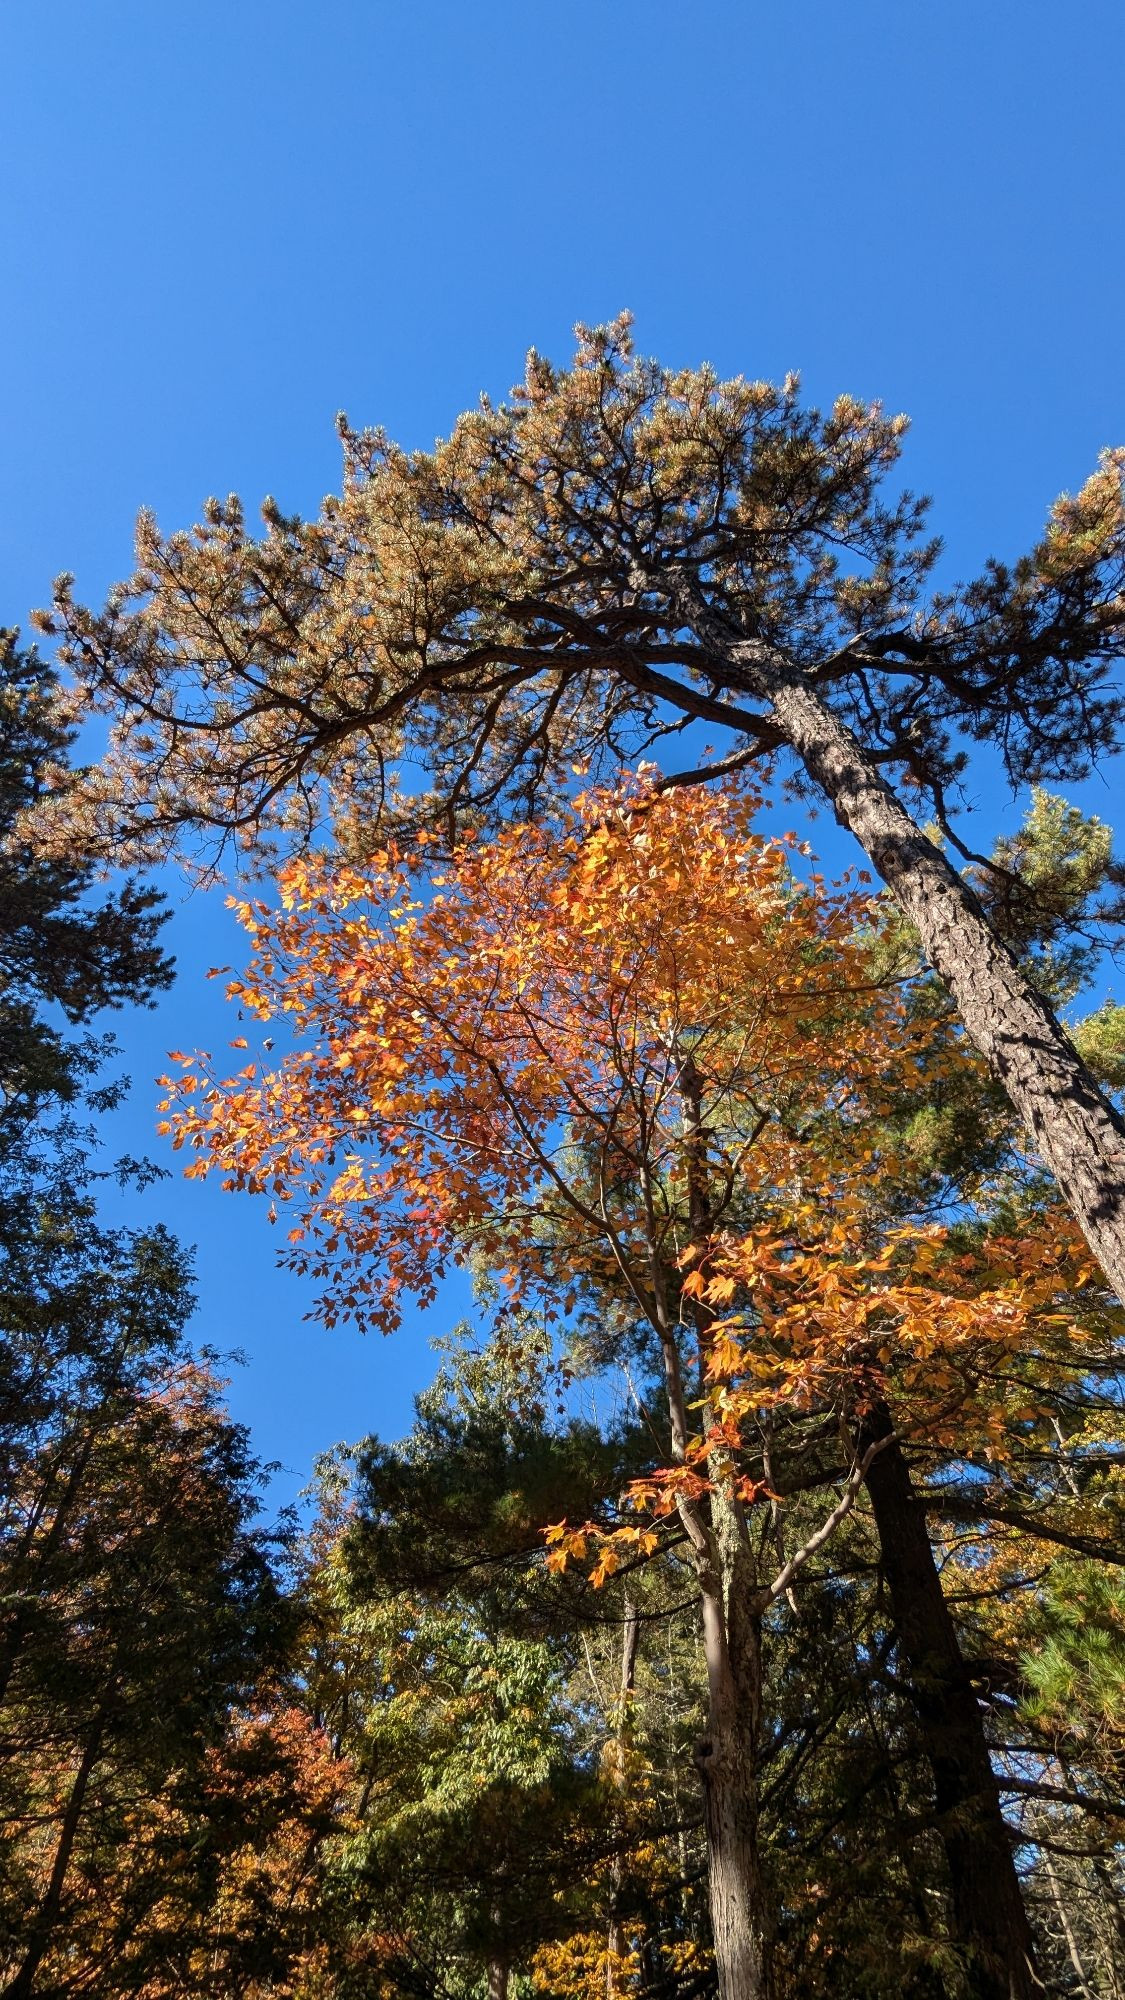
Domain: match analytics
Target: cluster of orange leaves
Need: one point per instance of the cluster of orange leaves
(458, 1028)
(488, 1055)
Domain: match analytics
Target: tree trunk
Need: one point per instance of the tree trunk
(727, 1758)
(615, 1933)
(1071, 1122)
(727, 1763)
(498, 1975)
(988, 1912)
(43, 1922)
(1067, 1927)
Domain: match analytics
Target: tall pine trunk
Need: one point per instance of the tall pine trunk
(1071, 1122)
(988, 1911)
(1073, 1125)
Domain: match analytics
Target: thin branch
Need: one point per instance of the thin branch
(827, 1528)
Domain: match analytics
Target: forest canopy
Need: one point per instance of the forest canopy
(573, 577)
(741, 1614)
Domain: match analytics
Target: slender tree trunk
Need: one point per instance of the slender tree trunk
(615, 1937)
(1071, 1122)
(42, 1925)
(988, 1911)
(727, 1758)
(1112, 1925)
(727, 1761)
(498, 1976)
(1067, 1927)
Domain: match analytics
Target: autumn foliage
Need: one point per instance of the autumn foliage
(802, 1672)
(661, 1082)
(490, 1060)
(496, 1038)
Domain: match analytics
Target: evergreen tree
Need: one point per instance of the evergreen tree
(153, 1767)
(62, 942)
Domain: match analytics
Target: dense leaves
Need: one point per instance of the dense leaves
(575, 576)
(651, 1078)
(162, 1798)
(800, 1672)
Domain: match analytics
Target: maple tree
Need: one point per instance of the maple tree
(571, 1021)
(578, 573)
(637, 1054)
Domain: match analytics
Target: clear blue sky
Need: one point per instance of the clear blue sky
(221, 222)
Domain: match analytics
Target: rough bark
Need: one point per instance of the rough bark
(989, 1916)
(1071, 1122)
(740, 1944)
(726, 1759)
(1073, 1125)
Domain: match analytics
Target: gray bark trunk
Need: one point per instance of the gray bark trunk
(615, 1936)
(727, 1763)
(727, 1758)
(1073, 1952)
(1073, 1126)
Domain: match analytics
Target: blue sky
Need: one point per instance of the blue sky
(221, 223)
